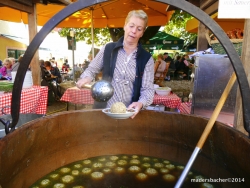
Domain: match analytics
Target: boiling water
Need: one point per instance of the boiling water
(119, 171)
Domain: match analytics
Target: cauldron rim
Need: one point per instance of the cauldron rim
(58, 139)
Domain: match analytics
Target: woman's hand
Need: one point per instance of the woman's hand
(137, 106)
(80, 83)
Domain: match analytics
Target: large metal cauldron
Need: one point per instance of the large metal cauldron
(45, 144)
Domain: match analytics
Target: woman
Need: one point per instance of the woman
(161, 67)
(128, 67)
(54, 71)
(183, 66)
(5, 71)
(16, 65)
(53, 77)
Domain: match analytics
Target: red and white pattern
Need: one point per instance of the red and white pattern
(43, 100)
(170, 101)
(33, 100)
(78, 96)
(185, 107)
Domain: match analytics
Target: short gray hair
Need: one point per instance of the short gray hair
(140, 14)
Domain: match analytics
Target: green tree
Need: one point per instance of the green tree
(101, 35)
(176, 27)
(105, 35)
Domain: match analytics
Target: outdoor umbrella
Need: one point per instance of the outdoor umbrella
(226, 24)
(164, 41)
(109, 14)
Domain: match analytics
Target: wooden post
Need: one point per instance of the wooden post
(34, 64)
(202, 42)
(245, 56)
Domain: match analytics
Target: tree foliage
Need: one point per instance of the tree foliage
(105, 35)
(101, 35)
(176, 27)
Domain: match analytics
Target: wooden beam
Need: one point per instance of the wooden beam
(17, 6)
(195, 2)
(206, 3)
(66, 2)
(212, 8)
(245, 56)
(202, 42)
(24, 2)
(34, 64)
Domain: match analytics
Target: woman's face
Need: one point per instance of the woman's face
(8, 65)
(48, 67)
(133, 30)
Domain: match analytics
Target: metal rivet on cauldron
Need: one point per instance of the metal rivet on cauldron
(67, 143)
(28, 162)
(102, 91)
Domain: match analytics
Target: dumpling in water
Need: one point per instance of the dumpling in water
(118, 107)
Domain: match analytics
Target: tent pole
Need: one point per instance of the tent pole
(92, 32)
(72, 34)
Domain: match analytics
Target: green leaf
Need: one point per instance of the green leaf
(101, 35)
(176, 27)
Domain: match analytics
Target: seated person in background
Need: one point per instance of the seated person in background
(171, 66)
(175, 56)
(54, 71)
(179, 65)
(161, 67)
(16, 65)
(170, 69)
(167, 58)
(77, 71)
(5, 71)
(51, 76)
(65, 67)
(77, 68)
(45, 75)
(13, 60)
(80, 66)
(53, 62)
(187, 64)
(87, 62)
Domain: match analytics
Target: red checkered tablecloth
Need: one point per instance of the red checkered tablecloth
(33, 100)
(170, 101)
(78, 96)
(185, 107)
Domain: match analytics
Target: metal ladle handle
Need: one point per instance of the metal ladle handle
(207, 130)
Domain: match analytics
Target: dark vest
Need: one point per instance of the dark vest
(109, 62)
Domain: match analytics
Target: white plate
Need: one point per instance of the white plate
(126, 115)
